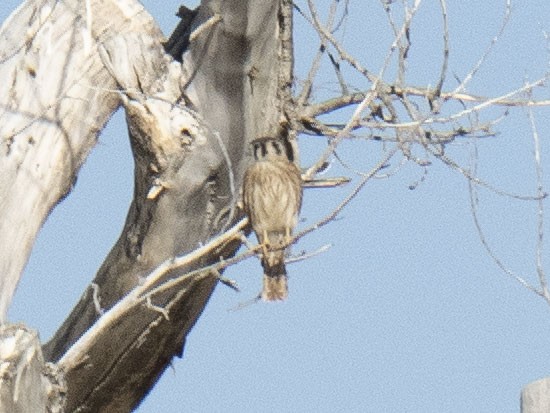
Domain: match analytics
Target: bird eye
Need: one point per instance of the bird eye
(277, 147)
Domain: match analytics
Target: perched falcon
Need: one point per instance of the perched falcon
(272, 196)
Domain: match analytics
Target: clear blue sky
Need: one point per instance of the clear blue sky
(406, 312)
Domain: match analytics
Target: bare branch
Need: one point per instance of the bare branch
(325, 183)
(180, 262)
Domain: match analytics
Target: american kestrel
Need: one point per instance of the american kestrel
(272, 197)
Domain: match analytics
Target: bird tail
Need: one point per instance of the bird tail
(275, 285)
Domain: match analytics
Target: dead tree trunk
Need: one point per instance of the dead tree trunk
(189, 126)
(535, 397)
(27, 384)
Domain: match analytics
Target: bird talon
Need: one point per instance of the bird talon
(265, 249)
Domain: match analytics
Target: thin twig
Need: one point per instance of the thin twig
(445, 63)
(483, 58)
(307, 255)
(339, 75)
(232, 187)
(474, 208)
(316, 62)
(477, 181)
(334, 213)
(540, 209)
(344, 55)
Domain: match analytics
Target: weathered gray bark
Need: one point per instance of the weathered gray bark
(55, 96)
(189, 127)
(27, 384)
(535, 397)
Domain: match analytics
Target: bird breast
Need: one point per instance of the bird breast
(273, 195)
